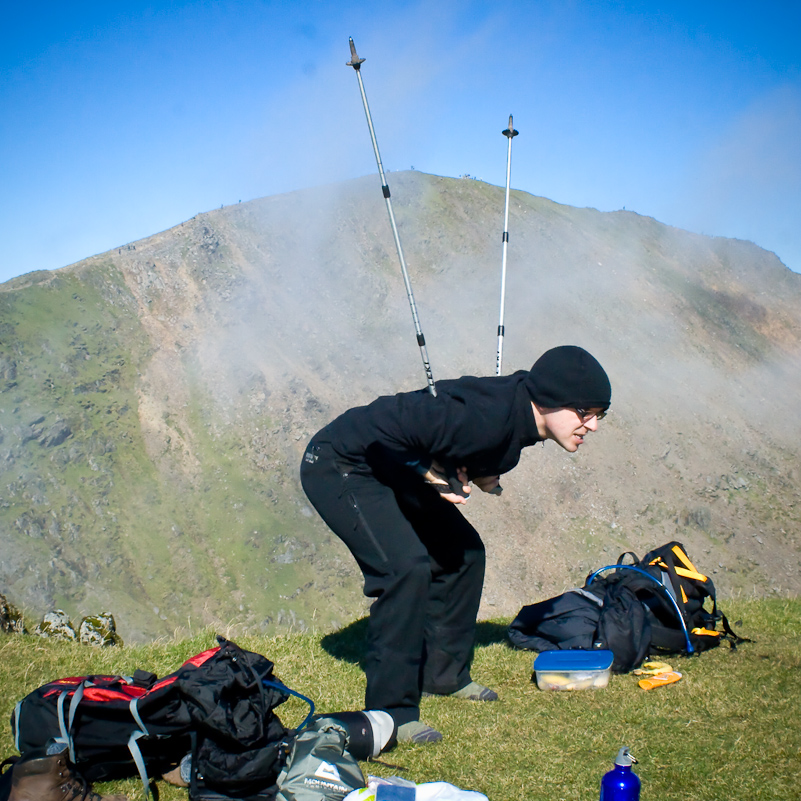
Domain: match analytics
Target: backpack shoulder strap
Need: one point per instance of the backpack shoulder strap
(673, 556)
(688, 584)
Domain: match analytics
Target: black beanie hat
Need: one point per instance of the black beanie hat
(569, 376)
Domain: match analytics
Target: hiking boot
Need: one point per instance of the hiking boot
(417, 732)
(50, 778)
(472, 692)
(175, 778)
(181, 774)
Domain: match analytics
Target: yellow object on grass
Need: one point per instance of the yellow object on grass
(659, 680)
(706, 632)
(653, 669)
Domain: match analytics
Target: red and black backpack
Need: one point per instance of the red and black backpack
(218, 705)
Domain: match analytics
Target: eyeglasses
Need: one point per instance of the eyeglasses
(586, 415)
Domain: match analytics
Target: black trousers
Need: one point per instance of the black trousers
(422, 562)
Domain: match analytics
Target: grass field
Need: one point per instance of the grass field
(728, 730)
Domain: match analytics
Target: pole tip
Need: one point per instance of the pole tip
(355, 61)
(510, 131)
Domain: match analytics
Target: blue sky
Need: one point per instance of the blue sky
(121, 119)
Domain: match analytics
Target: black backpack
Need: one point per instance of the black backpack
(655, 605)
(218, 706)
(676, 595)
(624, 628)
(609, 615)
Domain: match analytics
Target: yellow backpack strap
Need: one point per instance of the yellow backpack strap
(688, 571)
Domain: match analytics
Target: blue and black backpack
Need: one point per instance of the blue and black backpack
(659, 604)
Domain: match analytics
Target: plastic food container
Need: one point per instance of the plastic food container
(572, 670)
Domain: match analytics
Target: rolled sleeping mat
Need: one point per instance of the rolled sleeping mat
(368, 733)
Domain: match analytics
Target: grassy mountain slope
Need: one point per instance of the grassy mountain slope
(725, 732)
(155, 400)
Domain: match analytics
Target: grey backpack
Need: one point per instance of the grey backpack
(319, 768)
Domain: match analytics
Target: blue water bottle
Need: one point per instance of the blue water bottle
(621, 783)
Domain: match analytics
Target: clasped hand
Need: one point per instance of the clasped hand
(437, 478)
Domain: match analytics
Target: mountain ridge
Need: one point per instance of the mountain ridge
(190, 368)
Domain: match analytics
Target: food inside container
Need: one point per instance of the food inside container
(572, 670)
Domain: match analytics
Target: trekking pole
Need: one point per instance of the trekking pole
(509, 133)
(356, 63)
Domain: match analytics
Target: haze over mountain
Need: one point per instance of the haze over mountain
(155, 400)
